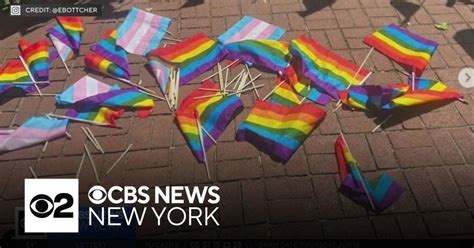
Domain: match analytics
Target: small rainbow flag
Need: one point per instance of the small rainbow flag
(268, 54)
(251, 28)
(74, 28)
(404, 47)
(371, 97)
(284, 94)
(426, 91)
(14, 75)
(279, 130)
(108, 49)
(141, 31)
(383, 191)
(214, 113)
(35, 130)
(36, 56)
(98, 63)
(194, 56)
(102, 115)
(326, 70)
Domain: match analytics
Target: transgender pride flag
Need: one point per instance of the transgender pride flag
(250, 28)
(141, 31)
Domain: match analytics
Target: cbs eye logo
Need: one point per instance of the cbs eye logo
(51, 205)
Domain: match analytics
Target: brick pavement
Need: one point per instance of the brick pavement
(430, 153)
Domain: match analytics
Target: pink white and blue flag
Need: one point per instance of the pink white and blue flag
(251, 28)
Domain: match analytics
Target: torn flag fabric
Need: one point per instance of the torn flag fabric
(371, 97)
(98, 63)
(93, 113)
(14, 75)
(74, 27)
(268, 54)
(141, 31)
(194, 56)
(83, 88)
(279, 130)
(284, 94)
(404, 47)
(108, 49)
(383, 191)
(60, 42)
(325, 69)
(34, 131)
(251, 28)
(36, 56)
(214, 113)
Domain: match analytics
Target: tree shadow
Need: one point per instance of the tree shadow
(465, 38)
(192, 3)
(407, 9)
(450, 3)
(314, 6)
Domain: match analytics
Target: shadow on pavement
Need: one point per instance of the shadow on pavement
(314, 6)
(465, 38)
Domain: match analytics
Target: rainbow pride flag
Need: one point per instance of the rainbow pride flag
(279, 130)
(83, 88)
(102, 115)
(61, 42)
(383, 191)
(406, 48)
(36, 56)
(268, 54)
(284, 95)
(98, 63)
(251, 28)
(74, 28)
(14, 75)
(161, 73)
(108, 49)
(214, 113)
(141, 31)
(35, 130)
(325, 69)
(194, 56)
(302, 85)
(426, 91)
(371, 97)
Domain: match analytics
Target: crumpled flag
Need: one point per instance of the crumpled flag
(83, 88)
(268, 54)
(93, 113)
(108, 49)
(62, 44)
(279, 130)
(406, 48)
(383, 191)
(284, 94)
(326, 70)
(426, 91)
(214, 113)
(141, 31)
(302, 85)
(98, 63)
(36, 56)
(74, 27)
(371, 97)
(194, 56)
(14, 75)
(34, 131)
(251, 28)
(161, 73)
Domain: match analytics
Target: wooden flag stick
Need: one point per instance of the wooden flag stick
(219, 73)
(412, 81)
(239, 82)
(214, 90)
(45, 146)
(203, 148)
(304, 98)
(146, 90)
(236, 78)
(82, 120)
(32, 172)
(118, 160)
(209, 135)
(273, 90)
(360, 175)
(90, 138)
(245, 90)
(31, 75)
(61, 58)
(363, 62)
(68, 135)
(171, 39)
(42, 94)
(215, 73)
(172, 86)
(176, 92)
(92, 163)
(80, 165)
(226, 79)
(168, 32)
(207, 96)
(252, 80)
(95, 139)
(382, 123)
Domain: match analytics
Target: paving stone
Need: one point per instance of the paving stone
(298, 164)
(359, 228)
(463, 174)
(418, 157)
(382, 151)
(322, 164)
(410, 139)
(412, 226)
(239, 169)
(449, 223)
(325, 188)
(446, 147)
(253, 200)
(230, 206)
(288, 188)
(465, 141)
(301, 210)
(446, 188)
(422, 189)
(386, 227)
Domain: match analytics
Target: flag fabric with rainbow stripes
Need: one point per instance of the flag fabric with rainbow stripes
(61, 42)
(98, 63)
(326, 70)
(383, 191)
(284, 94)
(14, 75)
(214, 113)
(279, 130)
(36, 56)
(268, 54)
(83, 88)
(108, 49)
(141, 31)
(194, 56)
(161, 73)
(35, 130)
(404, 47)
(74, 28)
(103, 115)
(251, 28)
(371, 97)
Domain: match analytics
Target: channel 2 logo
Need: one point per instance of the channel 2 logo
(51, 205)
(15, 10)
